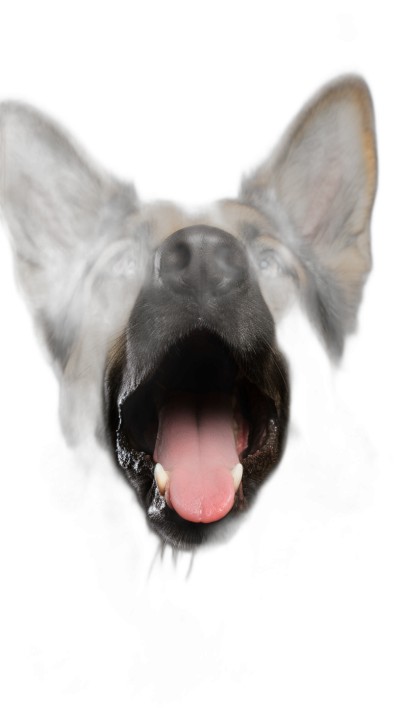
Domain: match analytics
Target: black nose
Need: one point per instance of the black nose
(202, 261)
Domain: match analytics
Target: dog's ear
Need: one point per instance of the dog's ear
(58, 207)
(319, 187)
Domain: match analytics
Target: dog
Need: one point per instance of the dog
(189, 389)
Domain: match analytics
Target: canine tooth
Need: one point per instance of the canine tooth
(237, 474)
(161, 477)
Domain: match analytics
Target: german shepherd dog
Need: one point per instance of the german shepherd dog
(189, 389)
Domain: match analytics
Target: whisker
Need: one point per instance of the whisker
(151, 566)
(72, 381)
(109, 339)
(190, 565)
(114, 360)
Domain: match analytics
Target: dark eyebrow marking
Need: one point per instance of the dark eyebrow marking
(248, 232)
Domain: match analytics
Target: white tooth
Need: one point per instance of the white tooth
(161, 477)
(237, 474)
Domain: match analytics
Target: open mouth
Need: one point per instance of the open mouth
(200, 434)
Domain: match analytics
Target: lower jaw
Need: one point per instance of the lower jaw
(163, 518)
(184, 535)
(138, 468)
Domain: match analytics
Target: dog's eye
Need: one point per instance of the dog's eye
(124, 266)
(269, 263)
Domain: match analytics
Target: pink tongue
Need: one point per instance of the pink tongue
(196, 445)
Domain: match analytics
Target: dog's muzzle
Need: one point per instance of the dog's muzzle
(197, 397)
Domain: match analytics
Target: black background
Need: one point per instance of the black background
(182, 117)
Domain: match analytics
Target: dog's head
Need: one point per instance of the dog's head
(161, 324)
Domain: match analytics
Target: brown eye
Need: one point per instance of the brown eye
(126, 264)
(267, 265)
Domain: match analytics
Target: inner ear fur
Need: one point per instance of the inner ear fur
(319, 185)
(50, 194)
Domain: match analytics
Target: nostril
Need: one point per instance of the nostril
(230, 261)
(202, 262)
(175, 259)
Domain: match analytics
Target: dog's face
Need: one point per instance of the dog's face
(162, 324)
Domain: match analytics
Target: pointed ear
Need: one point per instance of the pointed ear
(319, 187)
(60, 210)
